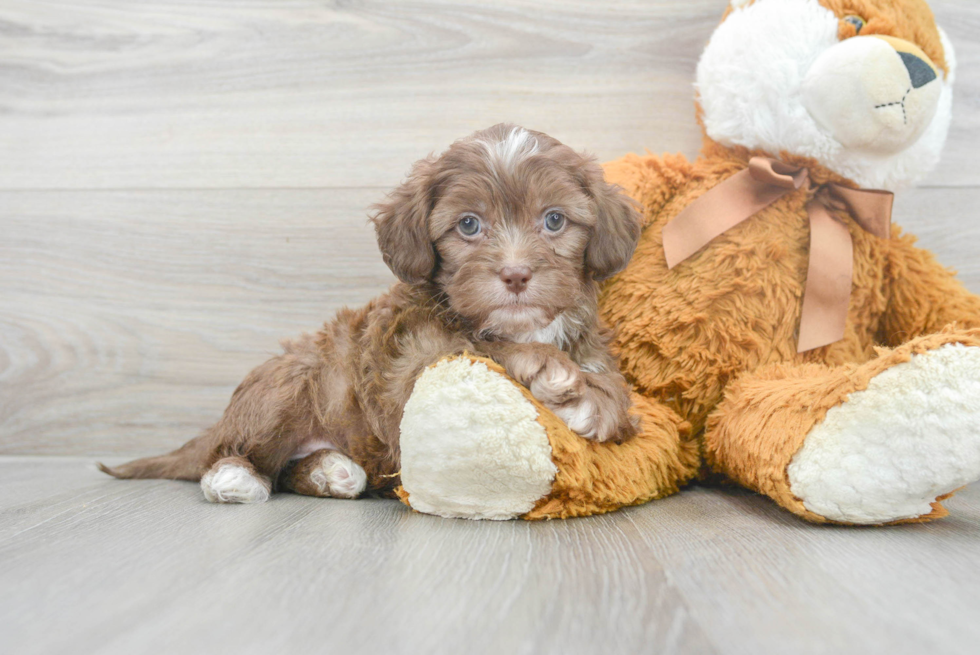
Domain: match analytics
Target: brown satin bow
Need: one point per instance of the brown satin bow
(828, 281)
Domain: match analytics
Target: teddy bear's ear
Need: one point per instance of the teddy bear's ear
(949, 54)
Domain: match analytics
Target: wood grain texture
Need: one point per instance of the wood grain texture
(127, 318)
(128, 315)
(94, 565)
(263, 93)
(185, 182)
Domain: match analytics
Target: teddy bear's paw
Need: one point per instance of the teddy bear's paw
(888, 452)
(472, 445)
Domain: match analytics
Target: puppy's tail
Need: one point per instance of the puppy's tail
(186, 463)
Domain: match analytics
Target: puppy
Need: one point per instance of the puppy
(498, 245)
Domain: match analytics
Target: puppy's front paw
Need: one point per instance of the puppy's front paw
(557, 383)
(580, 416)
(600, 416)
(561, 386)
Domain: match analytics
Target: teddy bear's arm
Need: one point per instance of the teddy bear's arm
(651, 181)
(924, 295)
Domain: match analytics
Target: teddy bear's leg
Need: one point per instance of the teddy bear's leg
(881, 442)
(600, 477)
(924, 296)
(476, 444)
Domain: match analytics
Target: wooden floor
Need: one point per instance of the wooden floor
(92, 565)
(184, 183)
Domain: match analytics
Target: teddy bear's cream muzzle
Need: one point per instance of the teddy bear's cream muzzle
(875, 94)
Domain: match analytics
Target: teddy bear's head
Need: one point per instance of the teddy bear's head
(864, 87)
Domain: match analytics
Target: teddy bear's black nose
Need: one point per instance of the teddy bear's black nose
(920, 72)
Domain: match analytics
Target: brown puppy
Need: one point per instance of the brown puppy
(498, 244)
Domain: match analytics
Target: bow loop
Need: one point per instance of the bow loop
(828, 286)
(775, 172)
(870, 208)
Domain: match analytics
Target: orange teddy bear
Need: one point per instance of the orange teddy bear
(776, 328)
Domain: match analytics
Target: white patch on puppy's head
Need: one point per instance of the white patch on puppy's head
(776, 77)
(519, 144)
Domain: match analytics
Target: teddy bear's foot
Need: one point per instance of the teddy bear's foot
(476, 444)
(471, 444)
(889, 452)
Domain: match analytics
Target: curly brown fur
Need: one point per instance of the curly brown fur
(498, 243)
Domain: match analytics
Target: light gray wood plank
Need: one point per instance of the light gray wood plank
(945, 221)
(961, 21)
(149, 567)
(165, 93)
(760, 581)
(20, 481)
(127, 318)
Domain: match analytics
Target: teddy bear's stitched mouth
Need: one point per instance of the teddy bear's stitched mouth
(905, 116)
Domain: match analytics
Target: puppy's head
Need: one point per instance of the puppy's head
(512, 225)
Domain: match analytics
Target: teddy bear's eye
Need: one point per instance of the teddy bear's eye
(856, 21)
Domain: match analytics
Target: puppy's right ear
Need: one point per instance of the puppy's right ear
(402, 225)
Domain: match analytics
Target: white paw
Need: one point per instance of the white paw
(580, 417)
(889, 451)
(339, 476)
(234, 484)
(557, 383)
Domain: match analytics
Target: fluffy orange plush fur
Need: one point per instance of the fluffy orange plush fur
(596, 477)
(714, 340)
(875, 428)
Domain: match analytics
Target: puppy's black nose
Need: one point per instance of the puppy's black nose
(516, 278)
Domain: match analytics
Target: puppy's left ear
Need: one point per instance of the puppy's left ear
(617, 227)
(401, 223)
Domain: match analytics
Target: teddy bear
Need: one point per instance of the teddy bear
(778, 330)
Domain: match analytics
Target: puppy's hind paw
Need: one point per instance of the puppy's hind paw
(234, 483)
(338, 476)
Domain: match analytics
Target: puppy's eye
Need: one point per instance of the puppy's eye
(856, 21)
(469, 226)
(554, 221)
